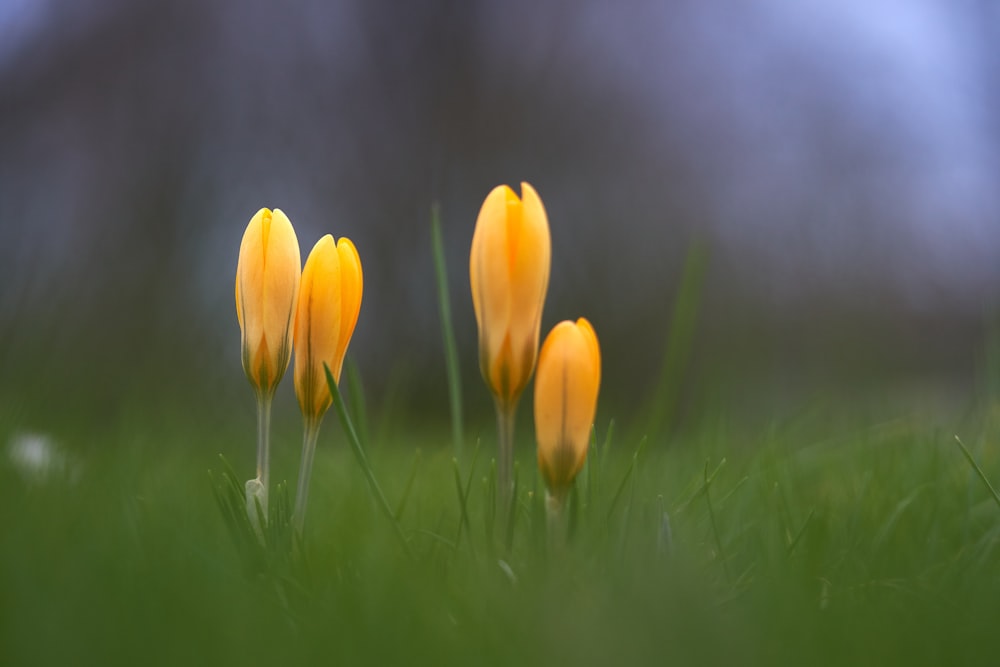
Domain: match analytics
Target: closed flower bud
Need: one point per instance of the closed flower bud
(329, 304)
(509, 273)
(267, 286)
(566, 386)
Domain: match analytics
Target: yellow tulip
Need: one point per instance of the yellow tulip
(267, 286)
(566, 386)
(329, 304)
(509, 273)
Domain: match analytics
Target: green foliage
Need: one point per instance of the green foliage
(679, 341)
(447, 332)
(879, 547)
(267, 546)
(870, 542)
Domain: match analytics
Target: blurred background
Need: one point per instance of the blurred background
(836, 162)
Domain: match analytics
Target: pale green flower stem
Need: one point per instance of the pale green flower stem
(264, 441)
(555, 503)
(257, 489)
(309, 439)
(505, 458)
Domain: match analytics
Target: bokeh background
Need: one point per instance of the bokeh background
(837, 162)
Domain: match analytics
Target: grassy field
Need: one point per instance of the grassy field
(827, 538)
(851, 532)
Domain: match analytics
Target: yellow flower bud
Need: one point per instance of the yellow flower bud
(509, 273)
(329, 304)
(569, 376)
(267, 286)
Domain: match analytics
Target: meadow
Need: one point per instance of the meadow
(848, 531)
(876, 544)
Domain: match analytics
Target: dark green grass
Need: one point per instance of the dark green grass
(876, 543)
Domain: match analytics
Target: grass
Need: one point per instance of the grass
(826, 538)
(878, 545)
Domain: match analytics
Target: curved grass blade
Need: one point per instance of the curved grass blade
(979, 471)
(401, 505)
(359, 454)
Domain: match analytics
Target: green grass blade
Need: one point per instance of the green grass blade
(447, 332)
(539, 520)
(680, 340)
(574, 511)
(701, 487)
(490, 515)
(628, 474)
(359, 409)
(437, 538)
(359, 453)
(512, 512)
(730, 492)
(608, 438)
(401, 505)
(464, 491)
(715, 526)
(591, 468)
(979, 471)
(463, 504)
(802, 531)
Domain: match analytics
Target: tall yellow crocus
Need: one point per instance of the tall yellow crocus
(328, 308)
(267, 287)
(509, 273)
(566, 387)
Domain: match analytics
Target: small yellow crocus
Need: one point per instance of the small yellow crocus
(329, 304)
(267, 288)
(509, 273)
(566, 387)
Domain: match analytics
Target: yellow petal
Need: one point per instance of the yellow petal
(593, 347)
(566, 389)
(351, 288)
(249, 278)
(329, 304)
(509, 272)
(282, 273)
(529, 281)
(267, 283)
(317, 326)
(490, 273)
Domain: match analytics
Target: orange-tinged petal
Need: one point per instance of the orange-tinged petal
(490, 223)
(508, 273)
(566, 389)
(266, 290)
(593, 347)
(352, 286)
(529, 282)
(490, 271)
(329, 304)
(317, 325)
(282, 272)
